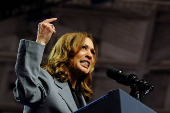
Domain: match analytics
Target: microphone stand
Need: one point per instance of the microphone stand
(139, 88)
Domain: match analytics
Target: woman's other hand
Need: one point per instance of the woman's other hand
(45, 31)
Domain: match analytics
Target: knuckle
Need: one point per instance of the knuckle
(43, 24)
(39, 24)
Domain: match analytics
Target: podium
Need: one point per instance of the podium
(116, 101)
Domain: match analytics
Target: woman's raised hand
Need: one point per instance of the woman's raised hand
(45, 31)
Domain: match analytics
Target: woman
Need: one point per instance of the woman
(63, 84)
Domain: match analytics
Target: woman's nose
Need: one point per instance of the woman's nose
(89, 55)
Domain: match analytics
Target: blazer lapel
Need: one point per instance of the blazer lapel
(66, 94)
(84, 102)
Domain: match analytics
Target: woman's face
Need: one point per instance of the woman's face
(82, 62)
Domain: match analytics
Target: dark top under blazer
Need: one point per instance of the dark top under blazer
(35, 88)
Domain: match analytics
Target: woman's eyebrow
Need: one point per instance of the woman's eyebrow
(90, 48)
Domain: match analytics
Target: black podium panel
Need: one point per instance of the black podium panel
(116, 101)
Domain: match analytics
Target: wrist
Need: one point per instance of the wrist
(41, 42)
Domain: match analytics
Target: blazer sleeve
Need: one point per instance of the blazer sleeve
(29, 89)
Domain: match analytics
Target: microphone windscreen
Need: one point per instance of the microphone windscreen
(113, 73)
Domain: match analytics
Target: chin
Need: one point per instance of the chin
(85, 71)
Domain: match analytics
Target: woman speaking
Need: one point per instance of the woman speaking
(63, 85)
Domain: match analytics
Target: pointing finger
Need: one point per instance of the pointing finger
(50, 20)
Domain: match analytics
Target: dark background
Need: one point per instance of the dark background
(132, 36)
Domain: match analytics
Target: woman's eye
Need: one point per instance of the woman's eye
(84, 47)
(93, 52)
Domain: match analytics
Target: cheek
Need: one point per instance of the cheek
(92, 61)
(92, 64)
(73, 62)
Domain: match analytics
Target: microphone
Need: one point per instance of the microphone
(140, 86)
(121, 78)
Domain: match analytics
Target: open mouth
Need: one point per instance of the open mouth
(85, 63)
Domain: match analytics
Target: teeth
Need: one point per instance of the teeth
(86, 63)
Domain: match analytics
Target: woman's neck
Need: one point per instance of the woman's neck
(73, 77)
(73, 82)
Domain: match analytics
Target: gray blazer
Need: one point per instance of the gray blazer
(35, 88)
